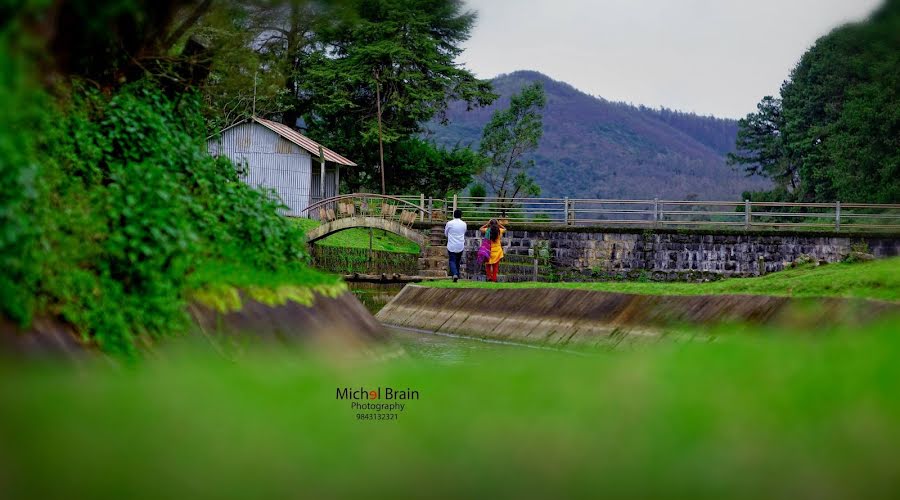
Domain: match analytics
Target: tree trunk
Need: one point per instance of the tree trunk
(380, 144)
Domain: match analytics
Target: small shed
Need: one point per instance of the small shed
(278, 157)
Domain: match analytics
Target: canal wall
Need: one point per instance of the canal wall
(676, 254)
(339, 321)
(557, 316)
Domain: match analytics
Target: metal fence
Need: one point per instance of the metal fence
(654, 213)
(681, 213)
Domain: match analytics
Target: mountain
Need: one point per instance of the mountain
(594, 148)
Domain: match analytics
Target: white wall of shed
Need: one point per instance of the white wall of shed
(269, 161)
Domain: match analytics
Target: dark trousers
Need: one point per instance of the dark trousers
(455, 257)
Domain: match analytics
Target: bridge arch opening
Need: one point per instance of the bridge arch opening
(345, 250)
(358, 237)
(347, 221)
(352, 228)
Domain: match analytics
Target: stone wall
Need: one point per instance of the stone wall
(684, 254)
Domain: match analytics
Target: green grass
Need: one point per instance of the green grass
(221, 285)
(760, 414)
(241, 276)
(359, 238)
(878, 279)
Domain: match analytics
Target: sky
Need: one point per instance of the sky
(711, 57)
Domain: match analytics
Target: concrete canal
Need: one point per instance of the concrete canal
(425, 345)
(572, 318)
(375, 295)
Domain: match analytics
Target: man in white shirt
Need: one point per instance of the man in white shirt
(455, 230)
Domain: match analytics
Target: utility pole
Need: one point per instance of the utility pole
(254, 92)
(380, 145)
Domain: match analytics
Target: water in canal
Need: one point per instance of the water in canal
(417, 344)
(429, 346)
(375, 295)
(443, 348)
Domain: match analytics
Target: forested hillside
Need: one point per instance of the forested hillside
(593, 148)
(716, 133)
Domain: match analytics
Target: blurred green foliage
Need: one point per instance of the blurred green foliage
(733, 414)
(110, 202)
(20, 189)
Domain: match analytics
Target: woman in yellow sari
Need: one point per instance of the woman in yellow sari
(494, 231)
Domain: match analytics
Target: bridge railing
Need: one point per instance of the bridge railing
(625, 213)
(404, 209)
(682, 213)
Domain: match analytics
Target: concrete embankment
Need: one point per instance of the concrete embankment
(561, 316)
(323, 319)
(340, 320)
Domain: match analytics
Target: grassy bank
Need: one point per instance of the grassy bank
(876, 280)
(760, 415)
(359, 238)
(241, 276)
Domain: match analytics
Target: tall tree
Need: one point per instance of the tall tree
(249, 63)
(111, 42)
(398, 56)
(433, 170)
(285, 33)
(507, 139)
(835, 132)
(760, 146)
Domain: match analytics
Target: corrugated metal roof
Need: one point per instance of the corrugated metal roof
(303, 141)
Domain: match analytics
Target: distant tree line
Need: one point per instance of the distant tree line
(716, 133)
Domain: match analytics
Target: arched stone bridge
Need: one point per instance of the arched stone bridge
(389, 213)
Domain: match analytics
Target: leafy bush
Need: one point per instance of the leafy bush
(859, 252)
(803, 259)
(128, 205)
(860, 247)
(18, 188)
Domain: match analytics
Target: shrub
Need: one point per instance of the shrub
(19, 190)
(859, 252)
(803, 259)
(127, 205)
